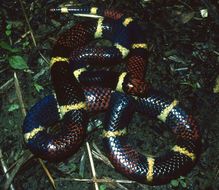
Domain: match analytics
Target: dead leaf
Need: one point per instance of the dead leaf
(186, 17)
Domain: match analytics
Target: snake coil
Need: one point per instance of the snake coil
(79, 90)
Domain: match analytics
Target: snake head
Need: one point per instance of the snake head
(136, 87)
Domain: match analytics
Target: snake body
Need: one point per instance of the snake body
(79, 90)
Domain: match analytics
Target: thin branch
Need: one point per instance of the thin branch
(5, 169)
(107, 180)
(23, 36)
(7, 84)
(114, 182)
(28, 23)
(17, 167)
(44, 58)
(186, 4)
(31, 31)
(19, 95)
(99, 155)
(92, 166)
(4, 69)
(12, 166)
(47, 173)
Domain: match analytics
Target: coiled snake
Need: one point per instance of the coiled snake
(79, 90)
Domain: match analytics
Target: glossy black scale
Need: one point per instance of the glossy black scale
(74, 46)
(131, 163)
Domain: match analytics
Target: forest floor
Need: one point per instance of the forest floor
(183, 62)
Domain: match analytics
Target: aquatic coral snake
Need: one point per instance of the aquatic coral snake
(80, 90)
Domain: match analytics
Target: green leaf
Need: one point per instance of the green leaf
(186, 17)
(183, 183)
(13, 107)
(6, 46)
(72, 167)
(25, 44)
(16, 24)
(82, 165)
(55, 23)
(174, 183)
(38, 87)
(102, 187)
(8, 32)
(17, 62)
(9, 25)
(181, 178)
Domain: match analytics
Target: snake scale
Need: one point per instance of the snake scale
(80, 90)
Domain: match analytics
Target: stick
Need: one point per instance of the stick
(5, 169)
(98, 180)
(28, 23)
(17, 167)
(19, 95)
(6, 84)
(92, 166)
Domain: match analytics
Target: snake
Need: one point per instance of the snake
(80, 90)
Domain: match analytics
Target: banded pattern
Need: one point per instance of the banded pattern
(79, 90)
(70, 57)
(151, 170)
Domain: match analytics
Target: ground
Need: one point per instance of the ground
(183, 62)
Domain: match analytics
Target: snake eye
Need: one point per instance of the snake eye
(130, 85)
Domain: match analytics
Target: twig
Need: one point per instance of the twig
(19, 95)
(16, 161)
(4, 69)
(5, 169)
(43, 57)
(30, 30)
(28, 23)
(22, 37)
(98, 155)
(92, 166)
(20, 162)
(20, 99)
(186, 5)
(6, 84)
(108, 180)
(217, 172)
(40, 73)
(117, 183)
(215, 52)
(47, 173)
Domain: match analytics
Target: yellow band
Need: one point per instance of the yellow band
(164, 113)
(31, 134)
(56, 59)
(181, 150)
(66, 108)
(64, 10)
(120, 81)
(118, 133)
(127, 21)
(78, 72)
(143, 46)
(93, 10)
(124, 51)
(150, 172)
(216, 87)
(99, 30)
